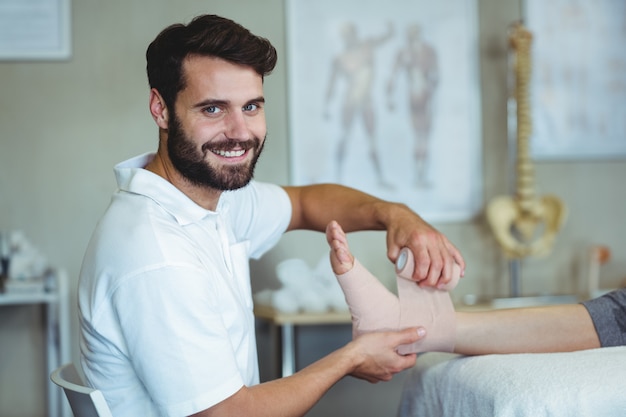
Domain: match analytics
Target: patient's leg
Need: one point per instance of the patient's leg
(374, 308)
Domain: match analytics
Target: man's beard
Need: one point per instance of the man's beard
(193, 166)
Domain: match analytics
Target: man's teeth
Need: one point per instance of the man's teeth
(229, 154)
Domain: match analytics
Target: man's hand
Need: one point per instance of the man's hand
(377, 356)
(434, 254)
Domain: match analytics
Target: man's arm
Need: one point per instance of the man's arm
(372, 357)
(559, 328)
(315, 206)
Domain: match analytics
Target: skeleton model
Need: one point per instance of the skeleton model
(524, 225)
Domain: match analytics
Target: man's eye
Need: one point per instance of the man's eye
(212, 109)
(250, 107)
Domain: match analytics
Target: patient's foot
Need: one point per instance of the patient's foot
(341, 258)
(429, 307)
(374, 308)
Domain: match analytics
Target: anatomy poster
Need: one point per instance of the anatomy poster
(578, 84)
(384, 97)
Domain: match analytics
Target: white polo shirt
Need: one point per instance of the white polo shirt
(164, 294)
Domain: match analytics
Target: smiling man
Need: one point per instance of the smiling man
(216, 131)
(164, 295)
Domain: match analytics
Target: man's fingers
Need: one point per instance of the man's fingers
(437, 268)
(422, 264)
(410, 335)
(456, 254)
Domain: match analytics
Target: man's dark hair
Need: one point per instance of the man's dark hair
(205, 35)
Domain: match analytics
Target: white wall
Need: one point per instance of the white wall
(63, 125)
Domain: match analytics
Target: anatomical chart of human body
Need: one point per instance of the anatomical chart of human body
(385, 98)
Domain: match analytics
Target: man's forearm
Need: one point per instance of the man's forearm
(286, 397)
(313, 207)
(559, 328)
(316, 205)
(372, 357)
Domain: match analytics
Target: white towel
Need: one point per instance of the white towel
(585, 383)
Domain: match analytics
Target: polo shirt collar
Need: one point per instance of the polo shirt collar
(133, 178)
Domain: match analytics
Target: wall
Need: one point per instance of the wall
(63, 125)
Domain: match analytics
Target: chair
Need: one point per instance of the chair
(84, 401)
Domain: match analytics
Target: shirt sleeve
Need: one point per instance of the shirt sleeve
(608, 313)
(261, 214)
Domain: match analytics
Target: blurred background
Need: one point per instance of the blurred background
(65, 124)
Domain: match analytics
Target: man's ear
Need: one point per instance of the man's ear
(158, 109)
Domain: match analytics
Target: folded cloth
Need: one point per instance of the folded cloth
(573, 384)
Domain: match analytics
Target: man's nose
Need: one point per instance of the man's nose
(236, 126)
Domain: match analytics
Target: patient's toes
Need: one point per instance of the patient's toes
(341, 259)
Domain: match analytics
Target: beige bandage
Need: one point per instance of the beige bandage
(374, 308)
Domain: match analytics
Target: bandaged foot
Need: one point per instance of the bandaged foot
(428, 307)
(374, 308)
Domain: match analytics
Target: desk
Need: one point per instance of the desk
(57, 331)
(285, 323)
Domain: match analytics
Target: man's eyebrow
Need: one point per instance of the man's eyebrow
(222, 103)
(211, 102)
